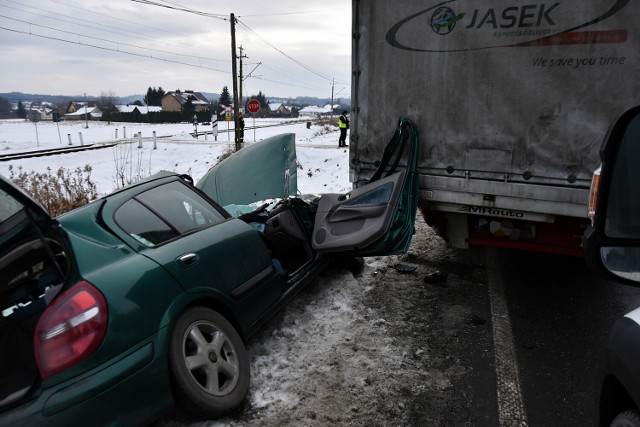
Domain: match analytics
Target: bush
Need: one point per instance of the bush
(58, 192)
(225, 155)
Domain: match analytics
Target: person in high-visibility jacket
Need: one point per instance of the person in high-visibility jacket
(343, 123)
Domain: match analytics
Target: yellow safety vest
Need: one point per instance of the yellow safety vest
(342, 123)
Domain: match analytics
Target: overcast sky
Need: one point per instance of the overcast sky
(71, 47)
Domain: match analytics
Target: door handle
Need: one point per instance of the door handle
(188, 259)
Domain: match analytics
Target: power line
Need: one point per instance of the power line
(137, 24)
(290, 13)
(175, 6)
(183, 9)
(111, 50)
(306, 67)
(291, 78)
(155, 53)
(32, 24)
(93, 24)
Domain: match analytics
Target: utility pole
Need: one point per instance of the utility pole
(234, 71)
(333, 85)
(86, 117)
(241, 78)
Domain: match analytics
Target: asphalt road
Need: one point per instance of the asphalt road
(560, 314)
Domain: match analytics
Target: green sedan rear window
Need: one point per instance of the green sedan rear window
(166, 212)
(143, 225)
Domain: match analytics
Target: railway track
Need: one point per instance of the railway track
(248, 128)
(97, 146)
(53, 151)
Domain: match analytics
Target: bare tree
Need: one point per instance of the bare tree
(107, 105)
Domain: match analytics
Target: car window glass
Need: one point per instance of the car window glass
(143, 225)
(378, 196)
(181, 207)
(623, 211)
(8, 206)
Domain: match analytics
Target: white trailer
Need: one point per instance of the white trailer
(511, 99)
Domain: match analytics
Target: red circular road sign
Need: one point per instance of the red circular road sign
(253, 106)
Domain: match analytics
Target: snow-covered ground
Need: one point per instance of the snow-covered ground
(347, 350)
(324, 167)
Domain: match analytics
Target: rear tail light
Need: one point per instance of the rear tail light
(593, 194)
(70, 329)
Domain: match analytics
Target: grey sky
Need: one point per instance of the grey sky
(70, 47)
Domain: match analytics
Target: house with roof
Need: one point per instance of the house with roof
(75, 106)
(314, 111)
(278, 110)
(138, 109)
(175, 101)
(88, 113)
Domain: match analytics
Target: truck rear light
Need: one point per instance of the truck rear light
(70, 329)
(593, 194)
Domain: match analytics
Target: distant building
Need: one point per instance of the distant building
(40, 113)
(174, 101)
(278, 109)
(138, 109)
(75, 106)
(90, 113)
(315, 111)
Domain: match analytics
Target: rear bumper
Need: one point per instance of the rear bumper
(132, 389)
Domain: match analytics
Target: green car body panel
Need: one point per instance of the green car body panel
(223, 263)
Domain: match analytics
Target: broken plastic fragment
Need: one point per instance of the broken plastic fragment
(403, 268)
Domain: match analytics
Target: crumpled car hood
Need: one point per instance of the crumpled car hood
(260, 171)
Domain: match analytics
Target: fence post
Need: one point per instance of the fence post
(155, 145)
(81, 140)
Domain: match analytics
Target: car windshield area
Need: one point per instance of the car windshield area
(165, 213)
(8, 206)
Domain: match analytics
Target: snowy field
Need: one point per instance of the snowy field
(323, 167)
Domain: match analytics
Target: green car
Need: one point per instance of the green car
(142, 300)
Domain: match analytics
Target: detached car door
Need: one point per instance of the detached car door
(378, 217)
(198, 243)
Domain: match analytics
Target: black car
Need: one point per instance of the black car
(612, 246)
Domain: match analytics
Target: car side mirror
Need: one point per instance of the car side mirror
(612, 242)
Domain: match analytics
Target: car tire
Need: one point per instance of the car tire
(627, 419)
(209, 364)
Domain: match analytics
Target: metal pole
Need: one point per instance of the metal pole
(35, 122)
(86, 118)
(234, 72)
(333, 83)
(59, 137)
